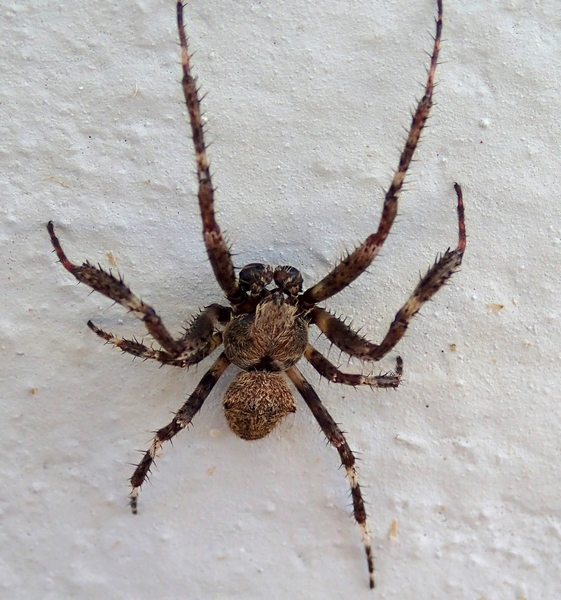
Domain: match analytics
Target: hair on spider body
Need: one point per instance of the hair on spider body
(271, 338)
(255, 402)
(264, 330)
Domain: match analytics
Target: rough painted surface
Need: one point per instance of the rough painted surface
(306, 111)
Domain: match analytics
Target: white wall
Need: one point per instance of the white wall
(307, 104)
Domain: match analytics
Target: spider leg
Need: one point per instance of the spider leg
(337, 439)
(354, 344)
(216, 247)
(182, 418)
(115, 289)
(137, 349)
(358, 261)
(340, 334)
(202, 329)
(331, 372)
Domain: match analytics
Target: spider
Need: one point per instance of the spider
(264, 330)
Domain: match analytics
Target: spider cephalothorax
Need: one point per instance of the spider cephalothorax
(264, 331)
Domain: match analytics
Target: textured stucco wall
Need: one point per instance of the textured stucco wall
(306, 108)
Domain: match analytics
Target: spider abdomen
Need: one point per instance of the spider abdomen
(272, 339)
(256, 402)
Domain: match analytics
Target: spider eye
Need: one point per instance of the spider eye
(254, 277)
(289, 280)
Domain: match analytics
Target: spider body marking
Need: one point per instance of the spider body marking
(264, 331)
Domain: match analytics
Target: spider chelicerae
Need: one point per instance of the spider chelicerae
(264, 331)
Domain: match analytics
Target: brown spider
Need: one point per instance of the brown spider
(265, 330)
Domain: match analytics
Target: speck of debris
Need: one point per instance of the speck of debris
(111, 258)
(393, 530)
(494, 307)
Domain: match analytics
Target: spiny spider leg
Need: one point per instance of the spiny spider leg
(137, 349)
(203, 327)
(336, 438)
(216, 247)
(340, 334)
(358, 261)
(199, 340)
(182, 418)
(332, 373)
(115, 289)
(434, 279)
